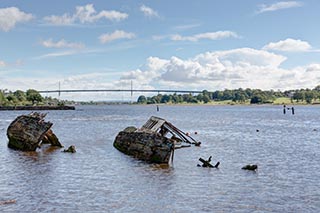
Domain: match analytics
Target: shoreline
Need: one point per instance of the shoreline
(9, 108)
(229, 104)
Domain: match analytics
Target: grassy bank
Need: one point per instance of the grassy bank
(278, 101)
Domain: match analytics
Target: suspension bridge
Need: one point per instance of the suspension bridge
(122, 90)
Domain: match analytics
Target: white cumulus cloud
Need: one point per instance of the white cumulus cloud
(85, 14)
(60, 44)
(153, 69)
(118, 34)
(10, 16)
(279, 6)
(147, 11)
(289, 45)
(65, 19)
(313, 68)
(210, 35)
(245, 67)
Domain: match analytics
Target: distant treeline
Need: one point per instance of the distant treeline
(30, 97)
(252, 96)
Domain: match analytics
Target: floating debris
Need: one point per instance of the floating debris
(7, 202)
(250, 167)
(71, 149)
(151, 142)
(206, 163)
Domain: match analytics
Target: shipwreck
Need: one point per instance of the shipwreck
(154, 142)
(28, 132)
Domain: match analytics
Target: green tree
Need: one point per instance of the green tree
(34, 96)
(299, 95)
(189, 98)
(3, 99)
(165, 99)
(200, 97)
(177, 98)
(217, 95)
(12, 99)
(257, 99)
(20, 95)
(142, 99)
(158, 98)
(228, 94)
(206, 98)
(317, 88)
(240, 96)
(248, 92)
(153, 100)
(309, 95)
(317, 95)
(207, 93)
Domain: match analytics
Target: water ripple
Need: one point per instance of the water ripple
(98, 178)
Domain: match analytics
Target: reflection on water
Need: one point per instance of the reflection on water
(98, 178)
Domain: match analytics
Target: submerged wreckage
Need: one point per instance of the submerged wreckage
(152, 142)
(27, 132)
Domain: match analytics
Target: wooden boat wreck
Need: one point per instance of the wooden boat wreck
(152, 142)
(27, 132)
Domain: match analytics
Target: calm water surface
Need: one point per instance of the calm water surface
(98, 178)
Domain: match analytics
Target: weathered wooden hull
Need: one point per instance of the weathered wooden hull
(27, 131)
(147, 146)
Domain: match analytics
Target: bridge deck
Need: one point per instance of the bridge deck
(120, 90)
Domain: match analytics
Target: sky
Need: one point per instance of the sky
(160, 44)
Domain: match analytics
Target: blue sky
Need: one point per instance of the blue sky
(159, 44)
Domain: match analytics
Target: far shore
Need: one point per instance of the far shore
(277, 102)
(226, 104)
(7, 108)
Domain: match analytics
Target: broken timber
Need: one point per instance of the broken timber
(7, 202)
(160, 125)
(151, 142)
(206, 163)
(27, 132)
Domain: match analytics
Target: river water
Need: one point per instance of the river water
(99, 178)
